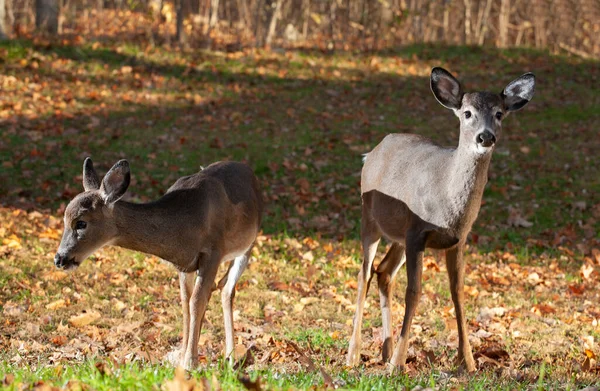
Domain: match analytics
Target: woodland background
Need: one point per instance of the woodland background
(557, 25)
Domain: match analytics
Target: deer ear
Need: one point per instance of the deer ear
(446, 88)
(115, 182)
(90, 177)
(519, 92)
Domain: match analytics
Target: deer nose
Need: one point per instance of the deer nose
(58, 260)
(486, 138)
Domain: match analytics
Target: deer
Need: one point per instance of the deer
(417, 195)
(201, 221)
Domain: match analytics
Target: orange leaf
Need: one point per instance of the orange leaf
(590, 354)
(60, 340)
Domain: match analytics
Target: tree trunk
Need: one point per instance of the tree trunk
(46, 15)
(306, 17)
(332, 15)
(214, 13)
(482, 24)
(468, 39)
(258, 22)
(503, 19)
(3, 34)
(273, 23)
(180, 10)
(243, 14)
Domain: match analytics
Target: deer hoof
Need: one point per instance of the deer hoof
(189, 363)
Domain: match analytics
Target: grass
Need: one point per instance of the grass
(100, 375)
(301, 120)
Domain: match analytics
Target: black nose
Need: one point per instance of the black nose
(486, 138)
(59, 261)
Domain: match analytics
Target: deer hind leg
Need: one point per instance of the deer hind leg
(370, 237)
(386, 271)
(197, 307)
(456, 274)
(186, 286)
(238, 265)
(415, 247)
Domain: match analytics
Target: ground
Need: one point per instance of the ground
(301, 119)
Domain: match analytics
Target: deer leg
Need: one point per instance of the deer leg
(386, 271)
(370, 239)
(456, 274)
(198, 302)
(415, 246)
(223, 280)
(227, 294)
(186, 285)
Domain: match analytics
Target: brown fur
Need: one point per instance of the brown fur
(203, 219)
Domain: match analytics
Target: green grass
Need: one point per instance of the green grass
(100, 375)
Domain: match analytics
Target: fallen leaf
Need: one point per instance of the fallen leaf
(84, 319)
(542, 309)
(180, 382)
(59, 340)
(586, 271)
(60, 303)
(54, 275)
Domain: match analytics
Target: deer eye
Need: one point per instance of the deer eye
(499, 115)
(467, 114)
(80, 224)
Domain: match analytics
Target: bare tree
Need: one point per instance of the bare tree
(46, 15)
(306, 17)
(214, 13)
(503, 19)
(3, 34)
(273, 23)
(180, 9)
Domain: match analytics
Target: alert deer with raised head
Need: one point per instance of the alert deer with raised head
(419, 195)
(201, 221)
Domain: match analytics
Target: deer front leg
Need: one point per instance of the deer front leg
(456, 274)
(415, 246)
(227, 295)
(186, 285)
(197, 306)
(386, 272)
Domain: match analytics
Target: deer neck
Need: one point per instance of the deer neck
(148, 228)
(467, 179)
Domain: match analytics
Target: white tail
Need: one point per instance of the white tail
(417, 194)
(202, 220)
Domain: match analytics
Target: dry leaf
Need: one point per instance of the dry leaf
(181, 383)
(59, 340)
(84, 319)
(54, 275)
(60, 303)
(586, 271)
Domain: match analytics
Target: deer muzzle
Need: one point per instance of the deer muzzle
(65, 262)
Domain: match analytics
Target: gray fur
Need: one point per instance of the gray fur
(420, 195)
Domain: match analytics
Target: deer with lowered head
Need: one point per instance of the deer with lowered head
(202, 220)
(420, 195)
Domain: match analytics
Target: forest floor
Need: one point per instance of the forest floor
(301, 119)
